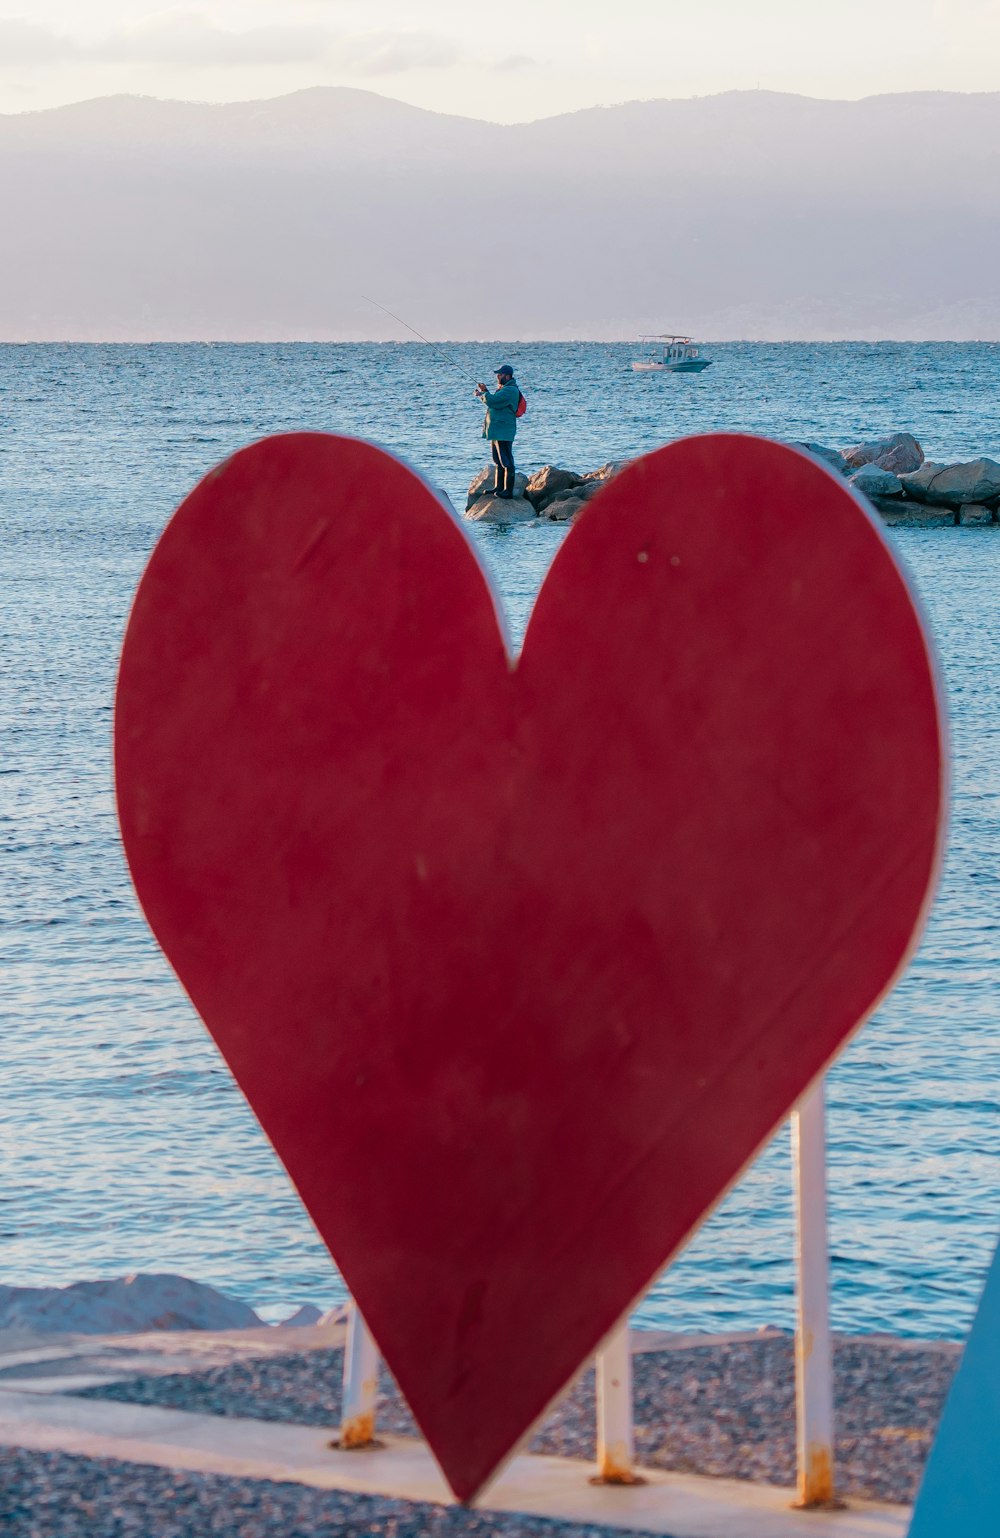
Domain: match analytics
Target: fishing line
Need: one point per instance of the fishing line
(448, 357)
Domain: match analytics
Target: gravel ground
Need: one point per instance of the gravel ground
(50, 1495)
(726, 1410)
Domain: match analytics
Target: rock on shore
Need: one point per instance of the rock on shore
(901, 485)
(124, 1306)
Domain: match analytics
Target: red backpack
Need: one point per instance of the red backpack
(522, 405)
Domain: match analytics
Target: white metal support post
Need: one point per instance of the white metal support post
(813, 1347)
(615, 1443)
(357, 1421)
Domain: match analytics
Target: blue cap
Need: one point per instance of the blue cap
(504, 368)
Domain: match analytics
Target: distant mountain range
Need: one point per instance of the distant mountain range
(749, 214)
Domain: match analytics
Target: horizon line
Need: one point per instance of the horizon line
(540, 341)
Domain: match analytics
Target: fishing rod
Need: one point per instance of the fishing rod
(448, 357)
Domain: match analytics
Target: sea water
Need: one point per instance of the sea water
(124, 1144)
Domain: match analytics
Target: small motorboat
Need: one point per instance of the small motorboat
(670, 355)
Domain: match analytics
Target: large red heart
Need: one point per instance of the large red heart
(519, 965)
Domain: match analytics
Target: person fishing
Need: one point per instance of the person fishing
(503, 406)
(500, 426)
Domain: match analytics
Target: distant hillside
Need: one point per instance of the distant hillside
(749, 214)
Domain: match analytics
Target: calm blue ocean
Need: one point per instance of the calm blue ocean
(124, 1144)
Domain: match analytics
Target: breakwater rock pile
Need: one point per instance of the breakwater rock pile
(551, 494)
(892, 473)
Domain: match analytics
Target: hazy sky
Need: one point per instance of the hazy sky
(524, 59)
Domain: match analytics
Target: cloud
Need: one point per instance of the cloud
(189, 39)
(387, 53)
(24, 42)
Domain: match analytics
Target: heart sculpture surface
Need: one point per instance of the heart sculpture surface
(519, 964)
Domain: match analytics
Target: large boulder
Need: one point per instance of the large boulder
(564, 509)
(832, 458)
(548, 482)
(501, 510)
(586, 492)
(126, 1305)
(915, 484)
(568, 503)
(485, 481)
(972, 513)
(876, 483)
(900, 453)
(978, 480)
(607, 472)
(900, 512)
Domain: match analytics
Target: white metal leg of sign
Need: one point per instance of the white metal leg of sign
(357, 1424)
(813, 1346)
(614, 1411)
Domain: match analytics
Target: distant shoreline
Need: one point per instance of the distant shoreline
(758, 214)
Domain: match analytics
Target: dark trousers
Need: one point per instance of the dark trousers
(503, 457)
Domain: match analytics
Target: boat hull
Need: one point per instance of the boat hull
(686, 366)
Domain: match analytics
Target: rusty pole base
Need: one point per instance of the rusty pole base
(624, 1477)
(357, 1434)
(342, 1445)
(832, 1503)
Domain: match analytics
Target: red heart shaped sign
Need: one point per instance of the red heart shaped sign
(520, 965)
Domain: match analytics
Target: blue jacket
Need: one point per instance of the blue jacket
(501, 408)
